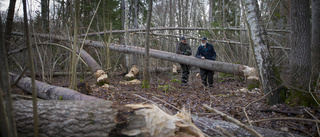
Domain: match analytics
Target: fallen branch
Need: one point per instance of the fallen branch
(233, 120)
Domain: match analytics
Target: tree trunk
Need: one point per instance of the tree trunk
(300, 55)
(102, 118)
(315, 49)
(49, 92)
(269, 76)
(146, 76)
(230, 68)
(95, 68)
(32, 70)
(174, 28)
(7, 127)
(45, 15)
(73, 79)
(9, 23)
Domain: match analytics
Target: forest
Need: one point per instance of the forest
(114, 68)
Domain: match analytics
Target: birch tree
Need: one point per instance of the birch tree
(269, 76)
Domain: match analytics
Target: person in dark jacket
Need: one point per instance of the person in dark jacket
(206, 51)
(183, 48)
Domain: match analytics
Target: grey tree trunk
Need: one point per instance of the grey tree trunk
(300, 55)
(7, 127)
(32, 70)
(269, 76)
(315, 49)
(45, 15)
(49, 92)
(9, 23)
(146, 76)
(101, 118)
(236, 69)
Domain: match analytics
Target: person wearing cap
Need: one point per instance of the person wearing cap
(183, 48)
(206, 52)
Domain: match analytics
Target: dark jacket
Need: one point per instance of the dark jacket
(208, 52)
(183, 49)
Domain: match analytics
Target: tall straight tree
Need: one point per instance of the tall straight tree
(300, 55)
(268, 72)
(315, 56)
(45, 14)
(9, 23)
(7, 119)
(32, 70)
(146, 76)
(73, 81)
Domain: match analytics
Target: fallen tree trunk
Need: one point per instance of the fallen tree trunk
(236, 69)
(49, 92)
(173, 28)
(101, 118)
(95, 68)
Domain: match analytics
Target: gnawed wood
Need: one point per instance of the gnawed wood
(101, 118)
(134, 70)
(50, 92)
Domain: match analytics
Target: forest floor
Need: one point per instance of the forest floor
(229, 95)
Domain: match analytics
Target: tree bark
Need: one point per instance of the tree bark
(7, 127)
(315, 49)
(174, 28)
(269, 75)
(146, 76)
(9, 23)
(32, 70)
(236, 69)
(102, 118)
(45, 15)
(50, 92)
(300, 55)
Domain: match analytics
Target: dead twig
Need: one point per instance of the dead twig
(225, 132)
(20, 76)
(314, 118)
(286, 118)
(233, 120)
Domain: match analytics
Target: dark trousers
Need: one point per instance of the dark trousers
(206, 77)
(185, 73)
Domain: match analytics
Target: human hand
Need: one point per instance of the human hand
(203, 58)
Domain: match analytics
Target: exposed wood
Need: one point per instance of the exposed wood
(132, 73)
(175, 28)
(95, 68)
(50, 92)
(236, 69)
(82, 118)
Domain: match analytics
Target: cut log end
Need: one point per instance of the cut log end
(102, 77)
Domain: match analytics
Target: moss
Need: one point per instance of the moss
(145, 84)
(298, 97)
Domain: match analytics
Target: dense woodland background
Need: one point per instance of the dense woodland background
(279, 38)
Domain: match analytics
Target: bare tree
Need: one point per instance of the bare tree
(9, 23)
(73, 80)
(146, 76)
(45, 14)
(8, 126)
(32, 70)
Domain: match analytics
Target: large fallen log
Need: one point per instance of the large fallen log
(49, 92)
(236, 69)
(101, 118)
